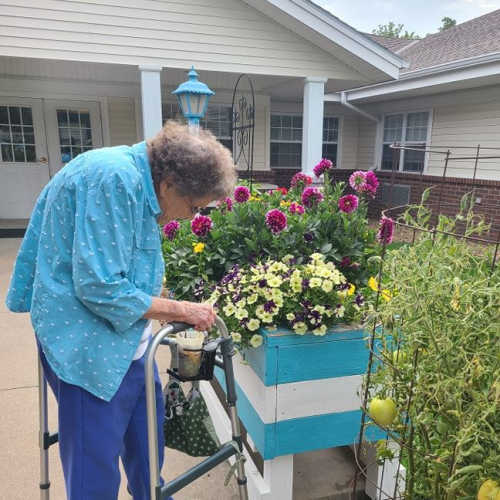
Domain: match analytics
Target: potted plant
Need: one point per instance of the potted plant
(291, 273)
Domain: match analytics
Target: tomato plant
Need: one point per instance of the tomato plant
(444, 319)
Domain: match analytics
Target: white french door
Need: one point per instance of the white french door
(73, 127)
(23, 155)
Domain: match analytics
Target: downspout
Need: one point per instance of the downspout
(344, 102)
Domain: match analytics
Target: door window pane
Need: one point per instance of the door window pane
(74, 132)
(4, 115)
(27, 116)
(286, 141)
(330, 152)
(16, 132)
(330, 129)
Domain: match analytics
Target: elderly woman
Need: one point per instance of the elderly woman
(90, 271)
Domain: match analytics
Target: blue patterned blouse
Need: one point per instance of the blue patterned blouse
(89, 265)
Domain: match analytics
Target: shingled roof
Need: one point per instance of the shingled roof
(479, 36)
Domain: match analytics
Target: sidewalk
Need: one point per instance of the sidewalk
(19, 452)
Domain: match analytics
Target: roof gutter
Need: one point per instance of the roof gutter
(344, 102)
(460, 70)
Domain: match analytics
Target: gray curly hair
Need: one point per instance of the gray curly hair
(197, 165)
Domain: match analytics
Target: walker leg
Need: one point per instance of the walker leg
(43, 432)
(227, 353)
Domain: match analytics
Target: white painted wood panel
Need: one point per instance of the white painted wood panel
(223, 35)
(300, 399)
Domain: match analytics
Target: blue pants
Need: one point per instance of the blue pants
(94, 433)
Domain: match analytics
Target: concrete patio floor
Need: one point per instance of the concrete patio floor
(316, 474)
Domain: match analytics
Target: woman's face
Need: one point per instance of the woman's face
(175, 206)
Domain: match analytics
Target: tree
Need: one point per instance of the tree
(391, 30)
(448, 22)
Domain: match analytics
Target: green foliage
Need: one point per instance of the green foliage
(445, 318)
(448, 22)
(241, 236)
(393, 30)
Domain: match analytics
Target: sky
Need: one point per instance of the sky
(420, 16)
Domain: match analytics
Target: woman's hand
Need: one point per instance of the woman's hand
(201, 316)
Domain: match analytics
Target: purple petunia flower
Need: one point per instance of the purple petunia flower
(241, 194)
(276, 220)
(269, 306)
(348, 203)
(262, 283)
(308, 237)
(201, 225)
(296, 208)
(386, 230)
(371, 183)
(324, 165)
(311, 196)
(170, 229)
(301, 180)
(345, 262)
(225, 204)
(359, 300)
(305, 283)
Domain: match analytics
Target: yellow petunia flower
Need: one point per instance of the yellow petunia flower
(198, 247)
(352, 289)
(373, 284)
(386, 294)
(256, 340)
(236, 336)
(241, 314)
(327, 286)
(321, 330)
(315, 282)
(253, 325)
(300, 328)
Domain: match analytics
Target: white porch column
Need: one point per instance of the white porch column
(151, 100)
(312, 122)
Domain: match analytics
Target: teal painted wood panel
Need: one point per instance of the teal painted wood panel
(322, 431)
(325, 360)
(263, 435)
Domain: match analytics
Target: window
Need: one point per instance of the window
(17, 136)
(330, 138)
(408, 129)
(217, 119)
(286, 140)
(75, 133)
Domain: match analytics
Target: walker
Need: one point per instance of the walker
(208, 359)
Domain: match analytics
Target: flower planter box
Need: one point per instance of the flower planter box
(300, 393)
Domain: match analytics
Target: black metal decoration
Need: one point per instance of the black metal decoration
(243, 125)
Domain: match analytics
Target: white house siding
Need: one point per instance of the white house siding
(349, 142)
(460, 118)
(122, 121)
(215, 35)
(366, 143)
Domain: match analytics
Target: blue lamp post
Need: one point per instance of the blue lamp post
(193, 97)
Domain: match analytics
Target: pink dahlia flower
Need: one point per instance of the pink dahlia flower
(296, 208)
(371, 183)
(170, 229)
(225, 204)
(201, 225)
(357, 180)
(301, 180)
(241, 194)
(311, 196)
(324, 165)
(348, 203)
(276, 220)
(385, 231)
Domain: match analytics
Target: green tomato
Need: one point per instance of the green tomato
(383, 411)
(489, 490)
(399, 357)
